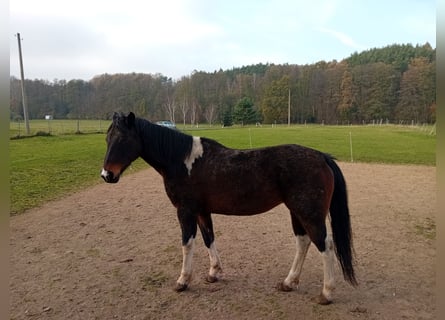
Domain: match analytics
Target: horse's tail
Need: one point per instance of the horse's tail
(341, 223)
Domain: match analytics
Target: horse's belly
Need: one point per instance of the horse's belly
(236, 204)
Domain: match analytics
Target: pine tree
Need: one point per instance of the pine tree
(275, 101)
(244, 112)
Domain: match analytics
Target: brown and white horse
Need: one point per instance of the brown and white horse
(202, 177)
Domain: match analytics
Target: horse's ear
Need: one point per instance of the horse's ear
(131, 119)
(115, 116)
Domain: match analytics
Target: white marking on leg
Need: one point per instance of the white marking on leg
(215, 262)
(293, 277)
(196, 152)
(328, 268)
(187, 259)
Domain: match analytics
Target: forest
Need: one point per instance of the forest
(393, 84)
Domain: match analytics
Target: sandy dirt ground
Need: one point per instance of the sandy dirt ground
(114, 252)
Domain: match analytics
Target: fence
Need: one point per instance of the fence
(57, 127)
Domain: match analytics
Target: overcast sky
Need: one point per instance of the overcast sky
(66, 39)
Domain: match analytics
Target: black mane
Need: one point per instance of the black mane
(163, 148)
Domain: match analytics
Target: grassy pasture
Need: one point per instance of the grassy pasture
(58, 127)
(46, 167)
(384, 144)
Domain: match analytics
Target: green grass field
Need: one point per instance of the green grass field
(385, 144)
(47, 167)
(58, 127)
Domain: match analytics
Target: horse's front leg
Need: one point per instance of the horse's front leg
(187, 220)
(206, 227)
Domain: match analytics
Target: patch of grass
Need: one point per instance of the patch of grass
(93, 252)
(44, 168)
(153, 281)
(170, 249)
(58, 127)
(426, 228)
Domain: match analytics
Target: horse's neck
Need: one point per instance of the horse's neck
(143, 128)
(164, 150)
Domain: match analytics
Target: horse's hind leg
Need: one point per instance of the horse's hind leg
(329, 273)
(302, 242)
(206, 227)
(323, 242)
(307, 228)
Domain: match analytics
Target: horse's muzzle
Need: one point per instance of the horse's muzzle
(109, 176)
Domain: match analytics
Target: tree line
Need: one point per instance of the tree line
(396, 83)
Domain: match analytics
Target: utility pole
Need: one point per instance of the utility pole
(25, 108)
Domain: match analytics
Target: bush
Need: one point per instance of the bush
(42, 134)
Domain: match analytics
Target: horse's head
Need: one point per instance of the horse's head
(123, 146)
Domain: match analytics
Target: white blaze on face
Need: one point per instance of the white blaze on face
(196, 152)
(104, 173)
